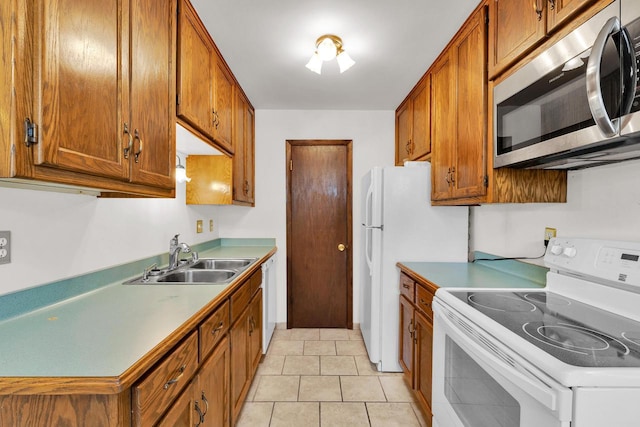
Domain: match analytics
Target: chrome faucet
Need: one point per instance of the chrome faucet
(175, 247)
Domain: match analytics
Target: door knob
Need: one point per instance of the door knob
(341, 247)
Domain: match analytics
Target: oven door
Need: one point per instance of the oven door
(478, 382)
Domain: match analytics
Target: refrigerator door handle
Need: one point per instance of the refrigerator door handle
(367, 249)
(368, 207)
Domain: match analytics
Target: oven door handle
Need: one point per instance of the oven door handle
(594, 92)
(494, 356)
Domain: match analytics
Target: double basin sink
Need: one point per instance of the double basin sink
(203, 271)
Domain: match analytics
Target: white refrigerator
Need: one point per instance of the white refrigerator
(399, 224)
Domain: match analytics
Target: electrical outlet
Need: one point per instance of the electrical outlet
(5, 247)
(199, 226)
(549, 233)
(210, 226)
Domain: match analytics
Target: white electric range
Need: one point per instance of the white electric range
(565, 355)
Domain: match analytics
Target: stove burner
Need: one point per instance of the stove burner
(549, 300)
(573, 338)
(501, 302)
(632, 336)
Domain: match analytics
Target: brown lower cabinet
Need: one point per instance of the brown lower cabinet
(202, 380)
(416, 340)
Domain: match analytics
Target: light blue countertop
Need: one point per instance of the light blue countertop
(480, 274)
(106, 330)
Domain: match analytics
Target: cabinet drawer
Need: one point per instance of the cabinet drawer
(407, 286)
(423, 301)
(256, 281)
(152, 395)
(240, 300)
(213, 329)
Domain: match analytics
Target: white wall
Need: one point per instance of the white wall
(602, 202)
(55, 235)
(373, 135)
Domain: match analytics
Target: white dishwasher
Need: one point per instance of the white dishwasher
(269, 286)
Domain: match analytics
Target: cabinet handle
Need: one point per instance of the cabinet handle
(206, 405)
(453, 175)
(552, 4)
(177, 378)
(404, 285)
(537, 6)
(423, 302)
(137, 154)
(251, 325)
(411, 328)
(128, 148)
(200, 414)
(447, 177)
(216, 121)
(217, 328)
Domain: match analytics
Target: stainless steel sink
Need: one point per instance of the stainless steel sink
(198, 276)
(221, 263)
(202, 271)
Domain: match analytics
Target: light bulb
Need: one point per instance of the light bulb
(327, 49)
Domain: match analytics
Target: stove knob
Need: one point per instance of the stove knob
(556, 249)
(569, 252)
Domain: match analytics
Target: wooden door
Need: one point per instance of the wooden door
(152, 89)
(239, 361)
(213, 387)
(423, 357)
(559, 11)
(421, 119)
(403, 132)
(195, 71)
(249, 156)
(183, 411)
(79, 85)
(406, 339)
(469, 55)
(319, 269)
(443, 113)
(514, 29)
(255, 333)
(223, 104)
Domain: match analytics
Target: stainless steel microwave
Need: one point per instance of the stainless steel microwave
(576, 104)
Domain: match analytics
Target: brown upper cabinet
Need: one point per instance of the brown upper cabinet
(413, 119)
(104, 113)
(459, 94)
(205, 83)
(243, 158)
(518, 26)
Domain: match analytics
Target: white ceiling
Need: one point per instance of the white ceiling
(268, 42)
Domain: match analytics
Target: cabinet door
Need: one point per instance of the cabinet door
(249, 156)
(195, 71)
(469, 56)
(213, 387)
(255, 333)
(403, 133)
(152, 89)
(421, 120)
(423, 337)
(239, 148)
(515, 27)
(443, 121)
(223, 104)
(406, 339)
(79, 85)
(183, 412)
(559, 11)
(239, 361)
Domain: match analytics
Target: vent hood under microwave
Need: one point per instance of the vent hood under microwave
(577, 104)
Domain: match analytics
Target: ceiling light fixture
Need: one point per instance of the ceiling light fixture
(181, 172)
(327, 48)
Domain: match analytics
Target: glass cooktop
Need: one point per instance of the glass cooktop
(576, 333)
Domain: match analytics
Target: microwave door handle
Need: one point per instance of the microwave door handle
(629, 72)
(594, 93)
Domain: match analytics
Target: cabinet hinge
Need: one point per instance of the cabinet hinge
(30, 132)
(485, 181)
(178, 99)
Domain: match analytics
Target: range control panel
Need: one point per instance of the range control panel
(613, 261)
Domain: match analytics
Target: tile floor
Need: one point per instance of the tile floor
(323, 377)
